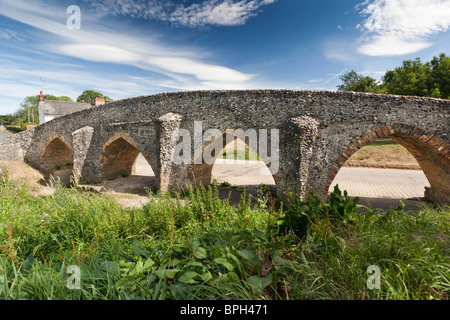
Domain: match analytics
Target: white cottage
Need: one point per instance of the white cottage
(50, 109)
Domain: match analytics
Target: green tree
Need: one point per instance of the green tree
(351, 81)
(439, 79)
(6, 119)
(89, 96)
(410, 79)
(414, 78)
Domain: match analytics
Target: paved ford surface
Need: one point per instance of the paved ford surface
(381, 188)
(383, 183)
(364, 182)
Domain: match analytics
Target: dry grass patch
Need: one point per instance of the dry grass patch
(383, 153)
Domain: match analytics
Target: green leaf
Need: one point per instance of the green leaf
(228, 277)
(258, 284)
(284, 266)
(223, 261)
(141, 267)
(181, 291)
(188, 277)
(302, 255)
(149, 263)
(200, 253)
(232, 257)
(138, 249)
(195, 244)
(246, 254)
(206, 276)
(278, 253)
(216, 250)
(261, 235)
(36, 249)
(167, 273)
(110, 267)
(27, 264)
(194, 265)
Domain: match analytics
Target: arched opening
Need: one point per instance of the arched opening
(382, 169)
(57, 160)
(124, 168)
(396, 162)
(235, 166)
(241, 165)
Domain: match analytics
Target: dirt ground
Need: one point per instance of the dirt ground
(32, 177)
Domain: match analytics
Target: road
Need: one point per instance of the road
(3, 134)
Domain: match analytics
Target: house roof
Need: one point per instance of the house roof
(60, 108)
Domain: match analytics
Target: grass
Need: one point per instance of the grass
(246, 154)
(200, 247)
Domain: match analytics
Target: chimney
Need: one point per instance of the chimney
(99, 101)
(41, 97)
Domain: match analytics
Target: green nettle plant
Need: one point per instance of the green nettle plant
(339, 209)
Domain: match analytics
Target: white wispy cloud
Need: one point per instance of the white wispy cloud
(7, 34)
(20, 80)
(146, 9)
(398, 27)
(205, 13)
(217, 12)
(330, 77)
(184, 67)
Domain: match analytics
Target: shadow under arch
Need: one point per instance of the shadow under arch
(431, 152)
(56, 160)
(56, 154)
(119, 156)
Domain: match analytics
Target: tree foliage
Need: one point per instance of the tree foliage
(6, 119)
(355, 82)
(89, 96)
(430, 79)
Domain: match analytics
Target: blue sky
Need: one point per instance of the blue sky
(130, 48)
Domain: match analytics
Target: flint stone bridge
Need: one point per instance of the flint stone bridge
(318, 132)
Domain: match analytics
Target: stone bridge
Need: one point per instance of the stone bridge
(309, 136)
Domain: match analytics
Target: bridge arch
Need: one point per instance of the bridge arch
(215, 143)
(119, 155)
(57, 154)
(431, 152)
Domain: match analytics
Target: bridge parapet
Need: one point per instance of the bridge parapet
(318, 131)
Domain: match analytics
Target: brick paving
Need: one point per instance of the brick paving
(381, 183)
(362, 182)
(377, 188)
